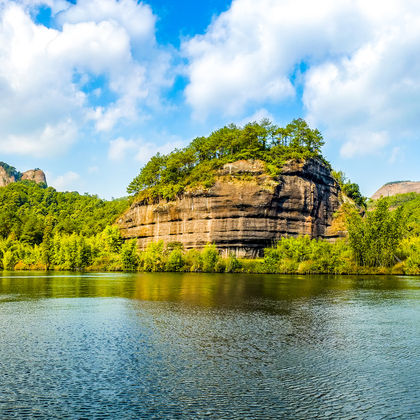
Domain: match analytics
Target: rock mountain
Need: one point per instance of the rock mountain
(398, 187)
(245, 211)
(9, 174)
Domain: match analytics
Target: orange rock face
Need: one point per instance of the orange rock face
(5, 179)
(35, 175)
(395, 188)
(244, 212)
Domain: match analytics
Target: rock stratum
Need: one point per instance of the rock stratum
(245, 211)
(9, 176)
(394, 188)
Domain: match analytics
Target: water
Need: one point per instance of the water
(209, 346)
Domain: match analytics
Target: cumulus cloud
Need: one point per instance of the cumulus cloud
(249, 52)
(355, 63)
(258, 116)
(139, 150)
(68, 181)
(46, 72)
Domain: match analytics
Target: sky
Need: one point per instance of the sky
(91, 89)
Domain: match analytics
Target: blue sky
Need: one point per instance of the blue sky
(90, 90)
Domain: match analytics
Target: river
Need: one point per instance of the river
(209, 346)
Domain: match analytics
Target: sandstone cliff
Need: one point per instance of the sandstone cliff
(5, 178)
(8, 175)
(394, 188)
(35, 175)
(244, 212)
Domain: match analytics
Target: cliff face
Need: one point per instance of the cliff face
(5, 179)
(394, 188)
(35, 175)
(244, 212)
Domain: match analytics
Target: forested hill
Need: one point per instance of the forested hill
(28, 210)
(166, 176)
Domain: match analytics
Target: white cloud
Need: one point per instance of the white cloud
(52, 140)
(249, 52)
(44, 71)
(257, 116)
(363, 142)
(356, 62)
(119, 147)
(375, 89)
(68, 181)
(137, 19)
(139, 150)
(93, 169)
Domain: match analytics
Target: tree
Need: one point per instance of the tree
(374, 239)
(129, 256)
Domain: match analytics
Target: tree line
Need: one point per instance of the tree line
(167, 176)
(381, 241)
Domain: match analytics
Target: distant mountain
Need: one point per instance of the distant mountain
(9, 174)
(397, 187)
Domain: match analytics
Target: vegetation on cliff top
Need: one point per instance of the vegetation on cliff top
(11, 171)
(166, 176)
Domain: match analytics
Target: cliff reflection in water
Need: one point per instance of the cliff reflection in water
(208, 345)
(206, 290)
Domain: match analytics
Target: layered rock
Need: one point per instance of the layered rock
(5, 178)
(35, 175)
(394, 188)
(11, 175)
(244, 212)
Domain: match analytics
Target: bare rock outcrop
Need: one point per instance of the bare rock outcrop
(9, 174)
(35, 175)
(394, 188)
(244, 212)
(5, 178)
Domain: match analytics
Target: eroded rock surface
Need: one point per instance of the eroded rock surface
(395, 188)
(35, 175)
(244, 212)
(5, 179)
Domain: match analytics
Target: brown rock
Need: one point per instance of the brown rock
(35, 175)
(394, 188)
(4, 178)
(244, 212)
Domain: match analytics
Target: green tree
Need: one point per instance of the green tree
(129, 257)
(374, 239)
(210, 256)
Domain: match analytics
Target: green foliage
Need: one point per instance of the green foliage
(167, 176)
(129, 257)
(210, 256)
(11, 171)
(153, 258)
(175, 260)
(410, 202)
(9, 260)
(232, 264)
(304, 255)
(374, 239)
(349, 188)
(26, 209)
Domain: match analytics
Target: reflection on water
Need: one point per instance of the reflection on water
(208, 346)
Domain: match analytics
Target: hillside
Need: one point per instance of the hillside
(397, 187)
(28, 210)
(9, 175)
(196, 166)
(240, 188)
